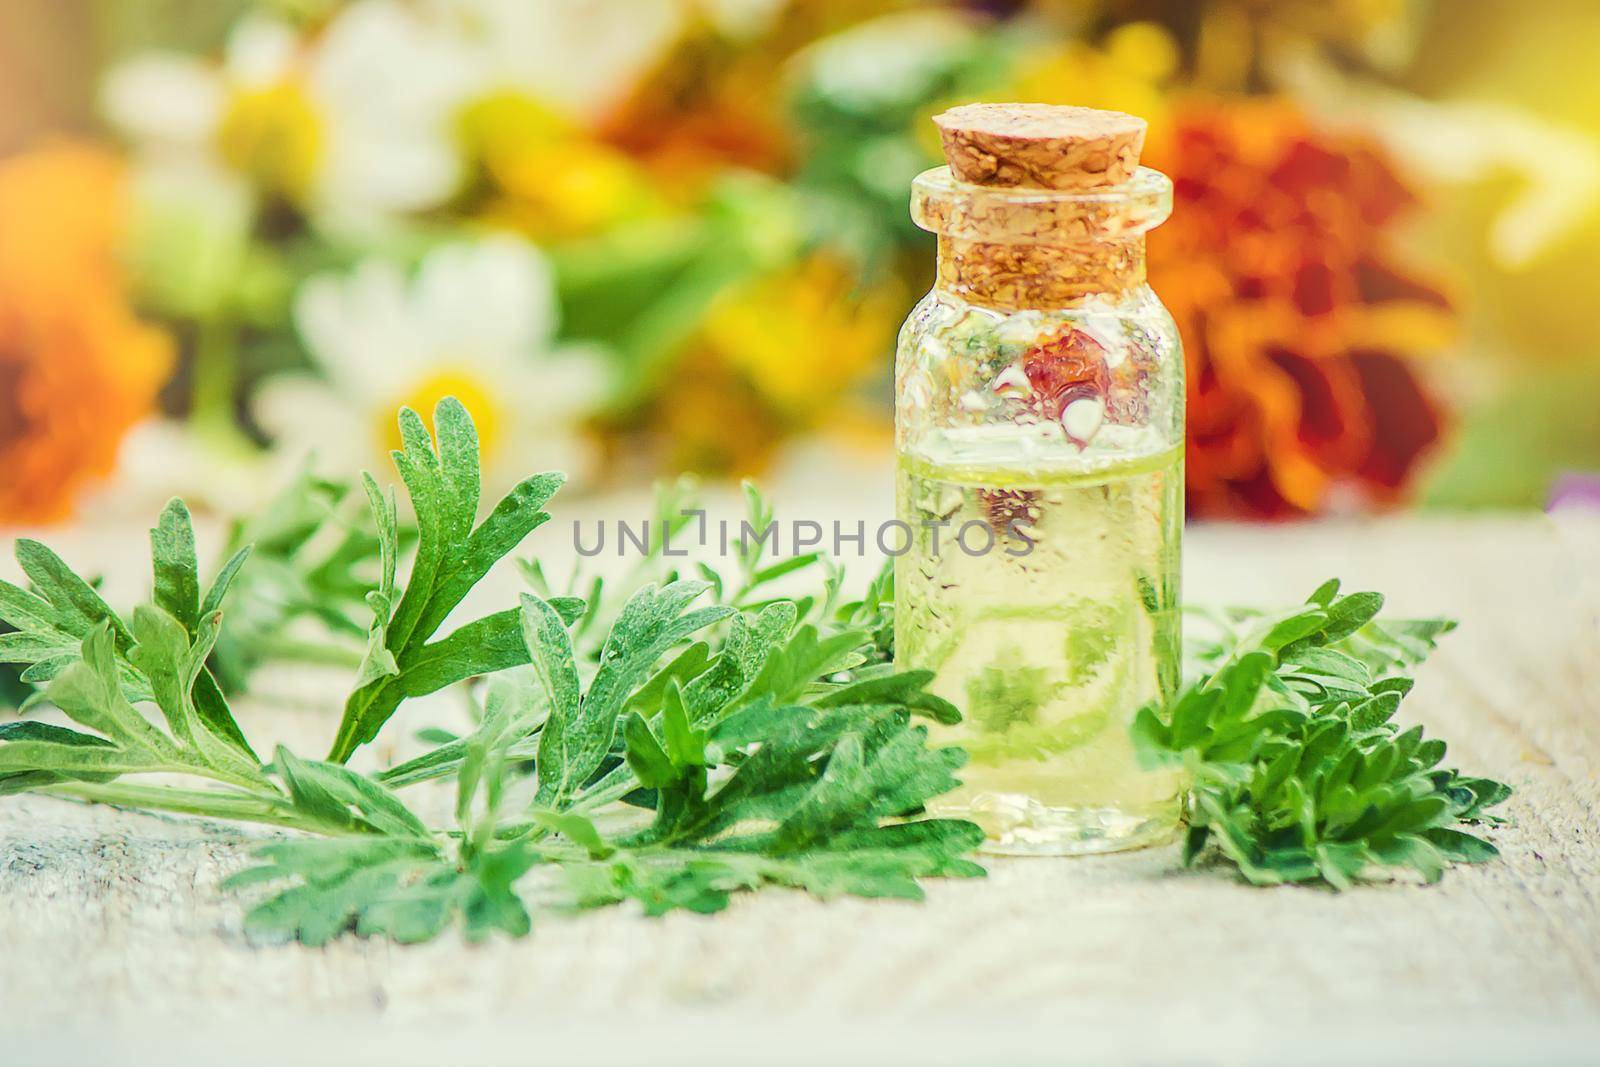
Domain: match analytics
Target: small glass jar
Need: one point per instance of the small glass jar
(1039, 431)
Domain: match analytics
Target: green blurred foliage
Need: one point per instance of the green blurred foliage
(1514, 445)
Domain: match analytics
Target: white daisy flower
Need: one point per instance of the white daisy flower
(388, 85)
(358, 122)
(174, 104)
(578, 56)
(164, 100)
(476, 321)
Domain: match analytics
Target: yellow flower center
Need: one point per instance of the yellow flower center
(274, 134)
(475, 394)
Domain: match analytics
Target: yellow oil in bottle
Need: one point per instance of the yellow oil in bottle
(1045, 598)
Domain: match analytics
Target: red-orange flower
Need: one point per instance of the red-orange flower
(704, 109)
(77, 368)
(1300, 330)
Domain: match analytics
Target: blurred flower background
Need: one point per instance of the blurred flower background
(643, 236)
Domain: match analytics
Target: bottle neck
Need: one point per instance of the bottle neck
(1019, 277)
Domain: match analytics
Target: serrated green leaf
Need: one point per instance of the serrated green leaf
(174, 666)
(177, 569)
(78, 605)
(217, 592)
(575, 828)
(1330, 663)
(1323, 595)
(745, 652)
(803, 659)
(334, 884)
(89, 690)
(645, 754)
(1309, 779)
(578, 733)
(1294, 627)
(1375, 711)
(684, 743)
(908, 688)
(1460, 847)
(683, 668)
(1350, 613)
(443, 481)
(344, 801)
(31, 614)
(41, 766)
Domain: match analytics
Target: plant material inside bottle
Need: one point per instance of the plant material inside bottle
(1050, 640)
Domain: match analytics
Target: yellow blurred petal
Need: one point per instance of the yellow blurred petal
(1414, 329)
(1144, 50)
(1557, 166)
(803, 335)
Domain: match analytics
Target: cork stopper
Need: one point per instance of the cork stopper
(1041, 146)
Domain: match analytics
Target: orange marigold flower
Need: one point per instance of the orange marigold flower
(77, 368)
(1300, 330)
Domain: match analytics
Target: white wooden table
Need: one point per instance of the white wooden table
(116, 943)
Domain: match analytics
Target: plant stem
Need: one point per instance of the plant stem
(216, 383)
(250, 783)
(613, 787)
(236, 806)
(290, 650)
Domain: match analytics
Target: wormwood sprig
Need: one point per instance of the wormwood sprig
(757, 771)
(452, 556)
(95, 667)
(1299, 772)
(395, 877)
(760, 742)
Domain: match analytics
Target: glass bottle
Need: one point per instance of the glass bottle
(1039, 432)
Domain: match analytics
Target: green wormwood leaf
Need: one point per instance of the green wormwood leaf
(95, 668)
(343, 801)
(810, 787)
(578, 733)
(48, 761)
(55, 619)
(178, 594)
(443, 481)
(402, 888)
(1299, 772)
(386, 874)
(769, 750)
(745, 792)
(90, 691)
(311, 550)
(504, 690)
(804, 807)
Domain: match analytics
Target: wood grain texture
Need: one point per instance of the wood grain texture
(113, 928)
